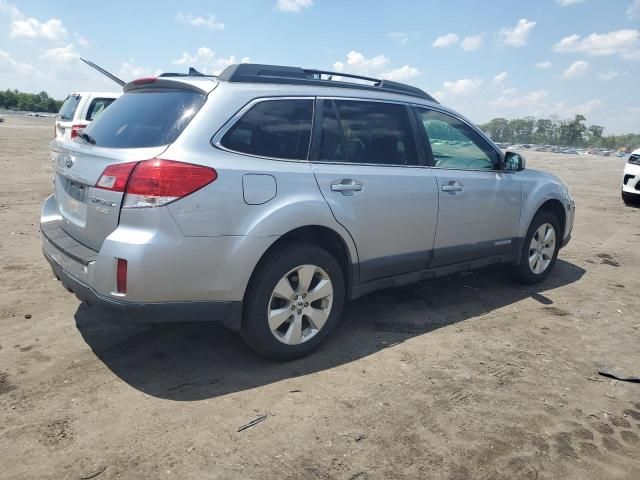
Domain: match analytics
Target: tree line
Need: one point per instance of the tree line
(558, 132)
(29, 102)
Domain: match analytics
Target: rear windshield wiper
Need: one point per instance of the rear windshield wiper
(87, 138)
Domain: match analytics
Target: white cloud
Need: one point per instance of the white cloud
(536, 103)
(608, 75)
(446, 40)
(624, 43)
(566, 3)
(518, 35)
(61, 55)
(378, 66)
(576, 69)
(83, 42)
(130, 71)
(458, 89)
(206, 61)
(209, 20)
(633, 12)
(500, 78)
(472, 43)
(8, 65)
(294, 6)
(400, 37)
(567, 111)
(33, 29)
(12, 10)
(531, 102)
(544, 65)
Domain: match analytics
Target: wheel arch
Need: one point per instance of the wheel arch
(555, 207)
(547, 197)
(326, 238)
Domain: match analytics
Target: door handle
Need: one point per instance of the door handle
(346, 186)
(453, 187)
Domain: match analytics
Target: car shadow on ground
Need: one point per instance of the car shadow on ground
(197, 360)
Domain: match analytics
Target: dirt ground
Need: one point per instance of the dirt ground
(463, 377)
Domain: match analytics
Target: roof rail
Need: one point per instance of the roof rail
(256, 73)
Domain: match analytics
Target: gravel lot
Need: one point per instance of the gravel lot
(462, 377)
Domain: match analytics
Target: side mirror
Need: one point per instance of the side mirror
(514, 162)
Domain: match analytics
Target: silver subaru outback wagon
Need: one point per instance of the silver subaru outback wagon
(264, 197)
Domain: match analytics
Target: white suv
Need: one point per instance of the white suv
(79, 110)
(631, 179)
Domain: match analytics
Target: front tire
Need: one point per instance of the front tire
(293, 301)
(630, 198)
(539, 250)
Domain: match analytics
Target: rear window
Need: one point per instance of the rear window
(145, 118)
(97, 107)
(68, 109)
(273, 128)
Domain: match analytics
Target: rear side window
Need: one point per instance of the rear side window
(145, 118)
(367, 132)
(97, 106)
(69, 107)
(273, 128)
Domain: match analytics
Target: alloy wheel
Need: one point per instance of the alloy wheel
(300, 304)
(542, 248)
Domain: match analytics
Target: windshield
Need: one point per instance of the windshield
(145, 118)
(68, 109)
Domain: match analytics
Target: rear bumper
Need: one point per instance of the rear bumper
(228, 313)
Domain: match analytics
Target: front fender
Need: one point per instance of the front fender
(537, 189)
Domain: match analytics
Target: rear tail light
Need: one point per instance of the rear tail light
(155, 182)
(115, 177)
(121, 276)
(76, 129)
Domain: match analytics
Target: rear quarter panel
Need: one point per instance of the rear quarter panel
(220, 209)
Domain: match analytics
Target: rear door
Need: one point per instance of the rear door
(367, 166)
(480, 204)
(138, 127)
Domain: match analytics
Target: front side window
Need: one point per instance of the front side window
(356, 131)
(97, 106)
(273, 128)
(455, 144)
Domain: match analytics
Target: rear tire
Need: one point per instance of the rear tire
(539, 250)
(293, 301)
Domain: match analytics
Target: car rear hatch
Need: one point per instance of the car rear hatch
(92, 171)
(64, 119)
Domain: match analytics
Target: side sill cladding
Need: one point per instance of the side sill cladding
(408, 278)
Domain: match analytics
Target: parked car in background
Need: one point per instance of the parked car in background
(79, 110)
(631, 179)
(264, 197)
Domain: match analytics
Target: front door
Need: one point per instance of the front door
(480, 204)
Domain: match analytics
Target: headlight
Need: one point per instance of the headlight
(635, 159)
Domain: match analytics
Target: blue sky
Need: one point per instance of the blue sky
(486, 58)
